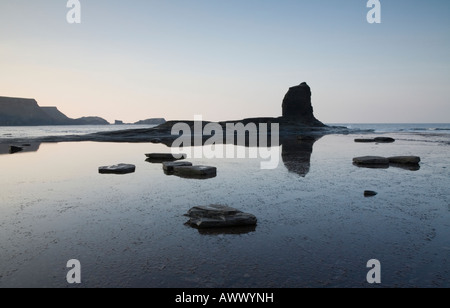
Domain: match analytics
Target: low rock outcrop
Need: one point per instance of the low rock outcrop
(195, 172)
(219, 216)
(117, 169)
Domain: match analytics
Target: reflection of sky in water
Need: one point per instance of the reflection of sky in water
(315, 228)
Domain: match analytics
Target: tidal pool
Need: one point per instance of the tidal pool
(315, 227)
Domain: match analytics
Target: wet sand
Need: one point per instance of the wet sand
(315, 227)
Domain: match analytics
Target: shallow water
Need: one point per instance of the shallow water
(315, 228)
(21, 132)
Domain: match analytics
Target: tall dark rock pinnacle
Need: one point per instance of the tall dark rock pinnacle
(297, 106)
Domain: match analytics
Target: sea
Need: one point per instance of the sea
(25, 132)
(316, 227)
(401, 127)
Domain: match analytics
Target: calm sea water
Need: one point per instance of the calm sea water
(43, 131)
(315, 227)
(398, 128)
(19, 132)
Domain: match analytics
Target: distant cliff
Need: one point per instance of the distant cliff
(27, 112)
(156, 121)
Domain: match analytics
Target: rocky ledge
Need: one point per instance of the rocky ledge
(298, 119)
(219, 216)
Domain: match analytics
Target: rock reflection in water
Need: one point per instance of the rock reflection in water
(296, 150)
(25, 148)
(296, 153)
(225, 231)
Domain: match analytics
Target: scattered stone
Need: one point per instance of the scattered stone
(384, 140)
(219, 216)
(405, 160)
(371, 161)
(409, 167)
(165, 157)
(376, 140)
(169, 166)
(369, 193)
(14, 149)
(117, 169)
(198, 172)
(364, 140)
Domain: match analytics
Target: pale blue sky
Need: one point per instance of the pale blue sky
(131, 60)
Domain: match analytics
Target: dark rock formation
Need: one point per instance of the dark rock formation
(169, 167)
(219, 216)
(384, 140)
(297, 106)
(27, 112)
(305, 124)
(371, 161)
(117, 169)
(405, 160)
(21, 112)
(370, 193)
(195, 172)
(56, 115)
(164, 157)
(377, 140)
(155, 121)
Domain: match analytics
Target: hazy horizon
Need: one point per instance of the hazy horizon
(229, 59)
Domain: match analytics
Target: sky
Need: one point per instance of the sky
(133, 60)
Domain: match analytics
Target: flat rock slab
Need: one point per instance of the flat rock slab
(371, 160)
(406, 160)
(376, 140)
(384, 140)
(163, 157)
(219, 216)
(170, 166)
(117, 169)
(195, 171)
(370, 193)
